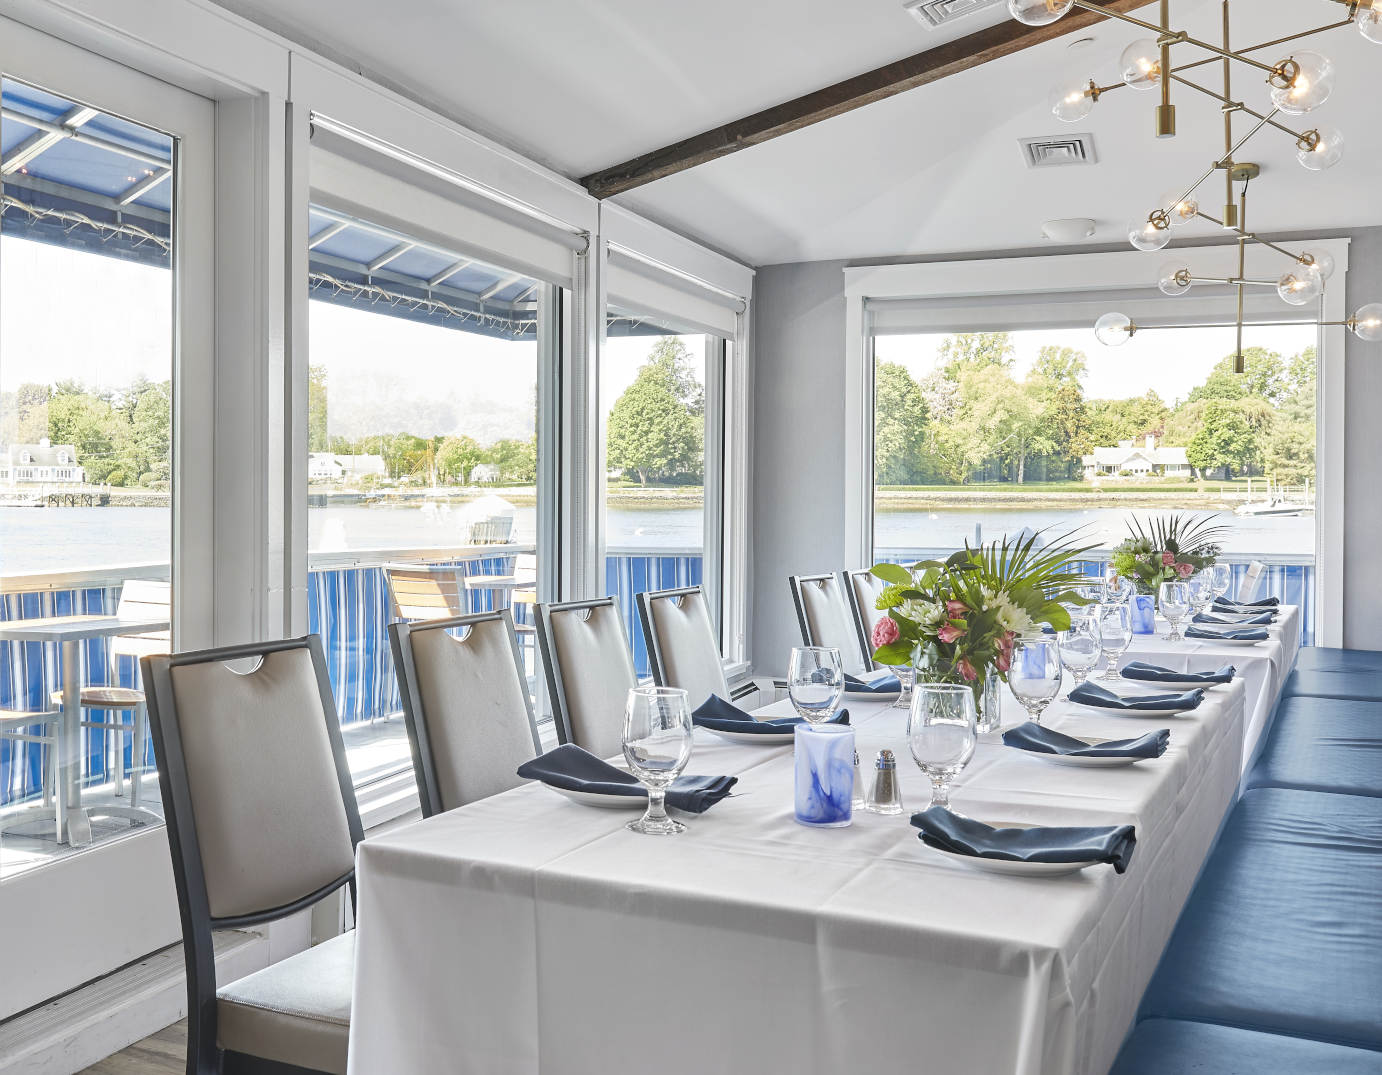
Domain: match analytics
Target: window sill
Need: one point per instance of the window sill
(383, 801)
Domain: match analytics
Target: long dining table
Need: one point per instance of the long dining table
(527, 933)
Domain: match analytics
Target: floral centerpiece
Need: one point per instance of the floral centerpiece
(957, 620)
(1169, 548)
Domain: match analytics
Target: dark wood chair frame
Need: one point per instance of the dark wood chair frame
(203, 1055)
(415, 714)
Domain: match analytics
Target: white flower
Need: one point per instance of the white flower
(925, 613)
(1012, 616)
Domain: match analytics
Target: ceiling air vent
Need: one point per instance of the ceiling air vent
(933, 13)
(1059, 149)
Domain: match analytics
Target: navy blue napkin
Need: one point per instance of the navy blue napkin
(1154, 673)
(963, 836)
(1093, 695)
(575, 769)
(881, 685)
(720, 716)
(1224, 604)
(1245, 619)
(1042, 740)
(1246, 634)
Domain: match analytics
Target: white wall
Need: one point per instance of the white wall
(1363, 454)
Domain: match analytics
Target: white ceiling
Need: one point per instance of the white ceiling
(584, 84)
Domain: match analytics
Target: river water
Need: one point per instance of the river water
(68, 539)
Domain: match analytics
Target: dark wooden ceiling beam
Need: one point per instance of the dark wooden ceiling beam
(991, 43)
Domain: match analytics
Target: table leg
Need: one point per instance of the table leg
(70, 746)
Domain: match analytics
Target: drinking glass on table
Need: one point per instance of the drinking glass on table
(1201, 585)
(657, 746)
(1081, 646)
(1115, 635)
(1117, 589)
(1035, 675)
(1175, 603)
(815, 682)
(1222, 575)
(941, 733)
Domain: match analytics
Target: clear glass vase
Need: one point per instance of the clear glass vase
(990, 704)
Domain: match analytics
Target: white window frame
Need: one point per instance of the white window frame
(1020, 278)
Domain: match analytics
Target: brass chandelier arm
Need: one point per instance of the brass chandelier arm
(1246, 324)
(1232, 280)
(1228, 157)
(1278, 41)
(1177, 37)
(1236, 105)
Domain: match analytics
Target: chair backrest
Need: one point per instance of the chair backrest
(258, 801)
(146, 599)
(862, 587)
(423, 594)
(1251, 585)
(682, 648)
(824, 615)
(589, 671)
(465, 700)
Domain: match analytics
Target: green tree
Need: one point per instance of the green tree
(899, 440)
(656, 427)
(1060, 365)
(92, 427)
(151, 431)
(516, 459)
(969, 350)
(1264, 377)
(1225, 439)
(317, 440)
(457, 456)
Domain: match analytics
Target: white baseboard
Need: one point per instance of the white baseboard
(84, 1026)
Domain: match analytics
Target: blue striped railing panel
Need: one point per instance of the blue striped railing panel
(628, 575)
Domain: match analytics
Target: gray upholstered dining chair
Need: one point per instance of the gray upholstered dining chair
(589, 671)
(682, 648)
(862, 587)
(466, 703)
(262, 823)
(823, 613)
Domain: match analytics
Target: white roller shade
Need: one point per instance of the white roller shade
(659, 292)
(416, 199)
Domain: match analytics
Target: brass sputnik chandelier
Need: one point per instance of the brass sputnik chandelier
(1299, 82)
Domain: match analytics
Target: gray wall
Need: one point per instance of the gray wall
(799, 426)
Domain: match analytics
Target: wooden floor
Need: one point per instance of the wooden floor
(164, 1053)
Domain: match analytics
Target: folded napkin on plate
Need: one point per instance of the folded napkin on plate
(720, 716)
(1093, 695)
(1154, 673)
(1244, 634)
(1242, 619)
(1042, 740)
(1227, 605)
(881, 685)
(963, 836)
(575, 769)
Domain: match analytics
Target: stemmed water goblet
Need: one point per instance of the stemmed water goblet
(1175, 603)
(1201, 586)
(1115, 635)
(1222, 575)
(1117, 589)
(1035, 675)
(815, 682)
(1081, 646)
(657, 746)
(942, 733)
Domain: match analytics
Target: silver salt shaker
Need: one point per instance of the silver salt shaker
(885, 797)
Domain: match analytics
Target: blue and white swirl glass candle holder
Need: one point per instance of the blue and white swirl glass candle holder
(1142, 611)
(824, 774)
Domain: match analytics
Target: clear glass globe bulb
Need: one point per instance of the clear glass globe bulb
(1323, 261)
(1300, 286)
(1038, 12)
(1114, 329)
(1367, 322)
(1141, 64)
(1370, 24)
(1179, 210)
(1070, 100)
(1311, 86)
(1327, 151)
(1145, 235)
(1174, 280)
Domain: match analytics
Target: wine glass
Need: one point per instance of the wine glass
(815, 682)
(1222, 575)
(1115, 635)
(942, 733)
(1201, 585)
(1035, 675)
(657, 746)
(1117, 589)
(1175, 603)
(1081, 647)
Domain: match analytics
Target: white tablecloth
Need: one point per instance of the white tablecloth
(527, 934)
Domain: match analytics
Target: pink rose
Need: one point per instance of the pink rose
(949, 633)
(1167, 559)
(967, 670)
(1185, 570)
(1005, 660)
(885, 632)
(954, 609)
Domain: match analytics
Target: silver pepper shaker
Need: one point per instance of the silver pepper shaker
(885, 797)
(856, 799)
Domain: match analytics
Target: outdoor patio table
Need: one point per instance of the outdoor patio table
(70, 632)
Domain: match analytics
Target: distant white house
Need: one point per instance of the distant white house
(331, 467)
(40, 464)
(1131, 460)
(484, 473)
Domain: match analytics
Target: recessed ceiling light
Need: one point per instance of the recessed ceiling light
(1073, 229)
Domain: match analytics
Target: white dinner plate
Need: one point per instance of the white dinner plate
(870, 696)
(604, 802)
(757, 738)
(1233, 641)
